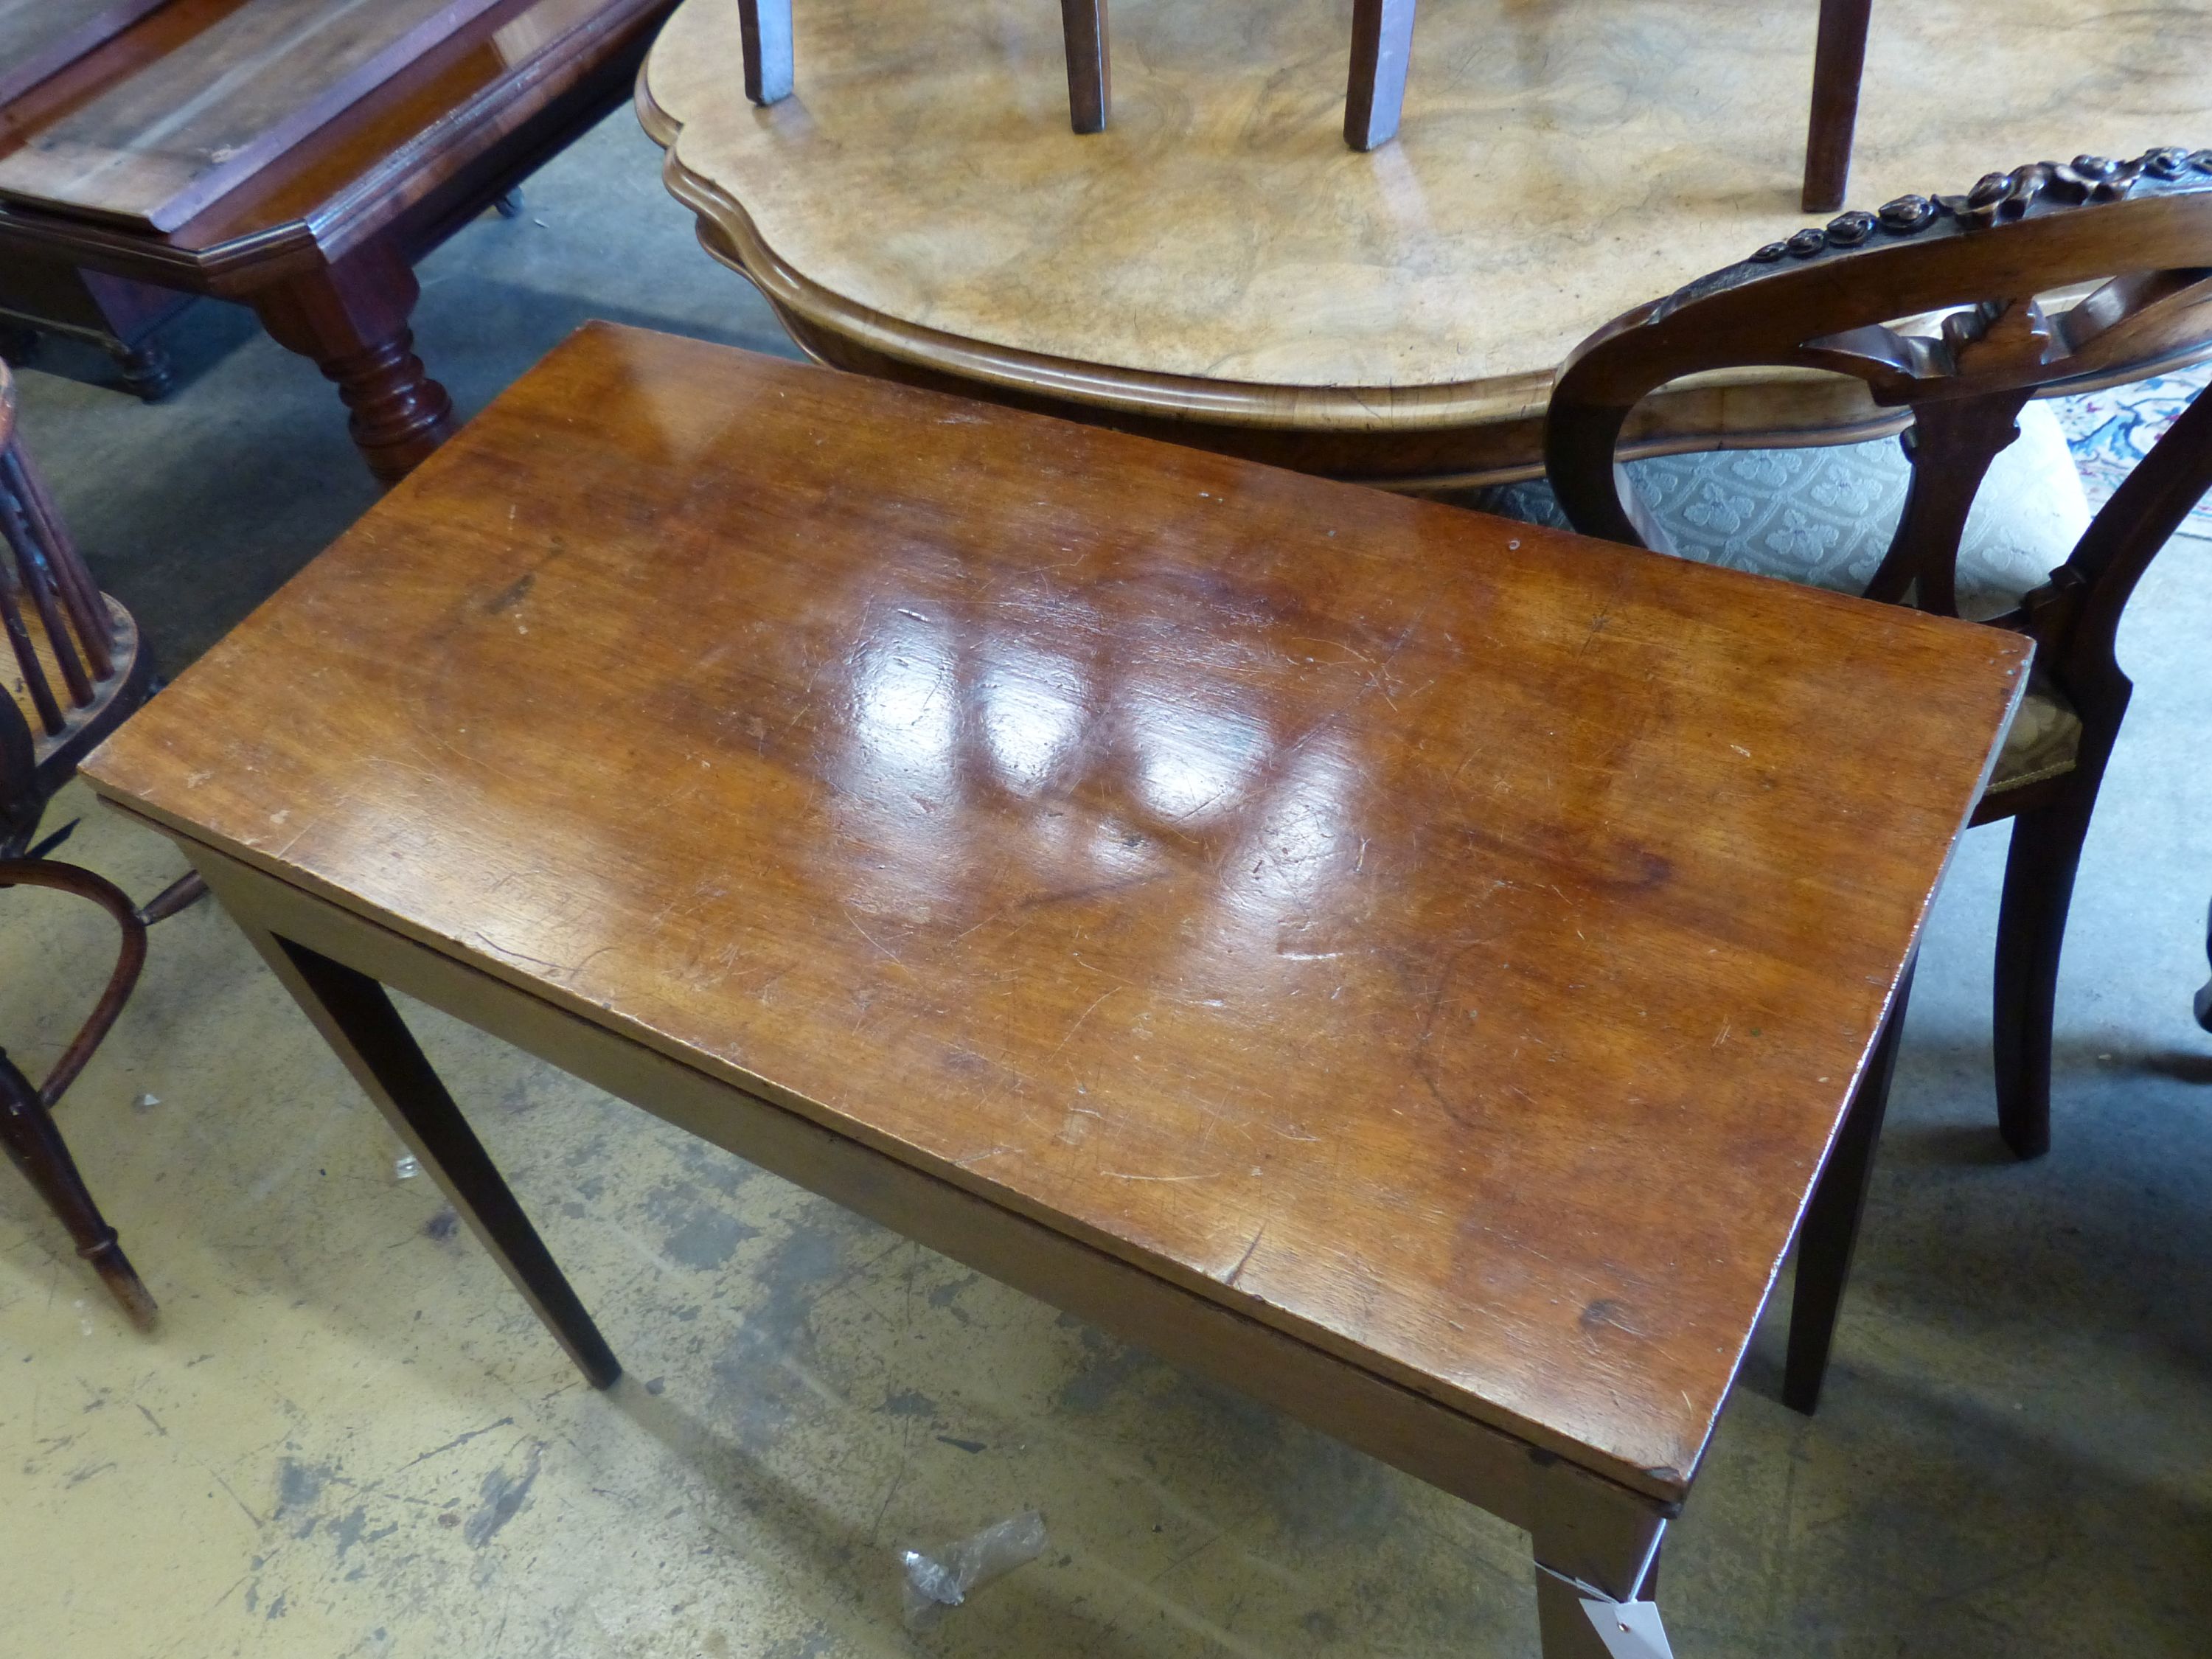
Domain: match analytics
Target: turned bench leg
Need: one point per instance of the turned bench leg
(351, 320)
(1382, 42)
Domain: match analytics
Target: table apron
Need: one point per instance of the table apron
(1585, 1525)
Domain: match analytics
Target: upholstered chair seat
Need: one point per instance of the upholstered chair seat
(1824, 517)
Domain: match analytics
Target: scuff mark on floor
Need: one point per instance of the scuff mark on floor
(504, 1495)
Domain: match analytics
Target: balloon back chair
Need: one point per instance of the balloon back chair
(1960, 309)
(2038, 280)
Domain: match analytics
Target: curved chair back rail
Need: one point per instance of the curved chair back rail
(1983, 282)
(1833, 299)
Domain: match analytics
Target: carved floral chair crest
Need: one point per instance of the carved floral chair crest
(2049, 278)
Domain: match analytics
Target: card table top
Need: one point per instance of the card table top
(1449, 942)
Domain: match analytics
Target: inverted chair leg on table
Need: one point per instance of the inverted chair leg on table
(1839, 66)
(1830, 1231)
(355, 1016)
(1374, 93)
(1089, 64)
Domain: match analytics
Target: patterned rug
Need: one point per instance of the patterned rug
(2110, 431)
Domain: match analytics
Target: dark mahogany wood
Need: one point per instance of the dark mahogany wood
(38, 38)
(160, 142)
(2141, 228)
(320, 241)
(1839, 66)
(1409, 964)
(351, 319)
(118, 316)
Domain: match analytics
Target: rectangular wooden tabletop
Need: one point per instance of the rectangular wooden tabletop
(235, 84)
(37, 37)
(1451, 942)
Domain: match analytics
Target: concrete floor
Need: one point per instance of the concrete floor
(349, 1438)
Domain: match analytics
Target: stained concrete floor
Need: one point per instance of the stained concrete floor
(349, 1437)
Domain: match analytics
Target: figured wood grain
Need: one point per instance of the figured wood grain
(1216, 262)
(1448, 943)
(38, 37)
(158, 144)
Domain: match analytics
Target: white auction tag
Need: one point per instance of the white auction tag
(1630, 1630)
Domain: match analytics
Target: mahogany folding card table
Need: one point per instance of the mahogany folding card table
(1408, 965)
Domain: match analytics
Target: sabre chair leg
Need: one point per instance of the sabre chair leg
(35, 1146)
(1839, 66)
(1375, 95)
(354, 1013)
(1830, 1231)
(2039, 887)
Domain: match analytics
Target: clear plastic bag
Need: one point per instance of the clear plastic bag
(949, 1575)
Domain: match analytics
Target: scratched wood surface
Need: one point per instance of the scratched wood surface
(37, 37)
(175, 130)
(1450, 942)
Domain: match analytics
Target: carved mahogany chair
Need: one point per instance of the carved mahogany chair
(2000, 268)
(1831, 299)
(77, 669)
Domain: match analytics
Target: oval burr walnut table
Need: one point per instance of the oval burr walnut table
(1217, 268)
